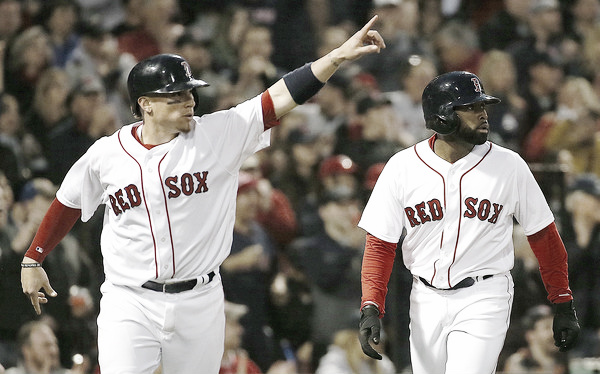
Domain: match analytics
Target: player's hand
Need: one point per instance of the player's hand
(565, 326)
(33, 280)
(369, 328)
(364, 41)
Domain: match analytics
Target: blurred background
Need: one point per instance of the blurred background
(293, 278)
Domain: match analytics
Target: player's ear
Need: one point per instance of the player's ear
(144, 104)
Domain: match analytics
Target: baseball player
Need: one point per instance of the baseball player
(455, 195)
(168, 183)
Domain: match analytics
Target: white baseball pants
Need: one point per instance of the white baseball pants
(460, 331)
(138, 329)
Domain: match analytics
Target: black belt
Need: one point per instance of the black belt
(177, 286)
(467, 282)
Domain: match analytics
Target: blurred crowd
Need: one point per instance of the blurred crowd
(292, 280)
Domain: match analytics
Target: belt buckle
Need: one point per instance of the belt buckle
(164, 288)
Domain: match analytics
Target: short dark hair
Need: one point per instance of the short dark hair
(534, 314)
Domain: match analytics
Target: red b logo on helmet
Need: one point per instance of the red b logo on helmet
(186, 67)
(476, 84)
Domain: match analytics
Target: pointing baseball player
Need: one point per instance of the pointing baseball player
(168, 183)
(455, 196)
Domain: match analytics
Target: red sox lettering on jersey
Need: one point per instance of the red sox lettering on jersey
(130, 196)
(432, 211)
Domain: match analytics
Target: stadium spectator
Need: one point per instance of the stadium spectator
(539, 355)
(331, 261)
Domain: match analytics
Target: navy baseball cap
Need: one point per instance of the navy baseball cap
(588, 183)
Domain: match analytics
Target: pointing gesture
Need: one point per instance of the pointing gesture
(364, 41)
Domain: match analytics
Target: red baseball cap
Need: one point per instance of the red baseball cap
(338, 164)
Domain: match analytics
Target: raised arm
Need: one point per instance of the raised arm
(299, 85)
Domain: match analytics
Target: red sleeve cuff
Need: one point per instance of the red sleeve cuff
(57, 222)
(377, 265)
(551, 254)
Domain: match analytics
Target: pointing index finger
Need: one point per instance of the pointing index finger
(368, 25)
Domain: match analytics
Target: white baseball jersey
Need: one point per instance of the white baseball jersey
(458, 216)
(169, 210)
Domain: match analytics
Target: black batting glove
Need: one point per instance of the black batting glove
(369, 327)
(565, 326)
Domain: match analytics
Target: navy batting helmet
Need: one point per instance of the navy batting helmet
(164, 73)
(448, 91)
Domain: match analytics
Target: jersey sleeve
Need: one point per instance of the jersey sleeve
(533, 212)
(236, 133)
(383, 213)
(81, 187)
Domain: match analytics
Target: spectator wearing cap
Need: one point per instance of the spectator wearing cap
(90, 117)
(246, 273)
(97, 57)
(538, 355)
(336, 174)
(331, 260)
(375, 135)
(581, 233)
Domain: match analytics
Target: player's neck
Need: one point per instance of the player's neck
(153, 135)
(451, 151)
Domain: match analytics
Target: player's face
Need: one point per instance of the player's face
(474, 127)
(173, 111)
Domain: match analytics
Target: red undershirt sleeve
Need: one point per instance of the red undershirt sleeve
(269, 118)
(377, 265)
(57, 223)
(551, 254)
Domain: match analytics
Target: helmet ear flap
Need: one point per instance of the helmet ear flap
(446, 121)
